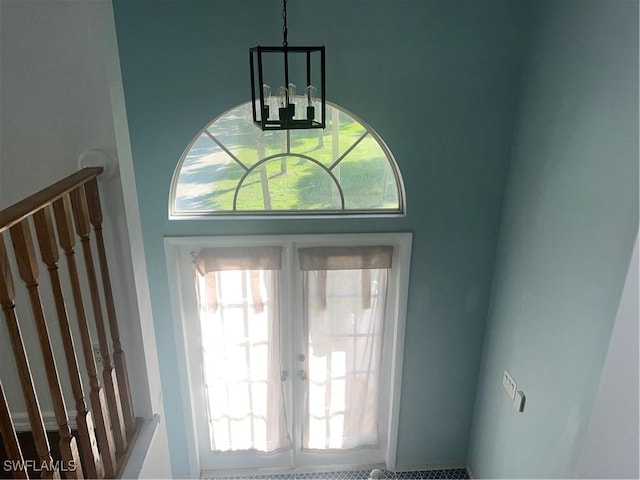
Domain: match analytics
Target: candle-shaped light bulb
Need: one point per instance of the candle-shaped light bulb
(266, 95)
(311, 93)
(283, 109)
(292, 100)
(282, 97)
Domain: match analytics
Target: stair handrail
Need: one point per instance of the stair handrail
(31, 204)
(73, 203)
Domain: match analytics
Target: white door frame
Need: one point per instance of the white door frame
(177, 249)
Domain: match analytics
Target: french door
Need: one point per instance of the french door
(291, 345)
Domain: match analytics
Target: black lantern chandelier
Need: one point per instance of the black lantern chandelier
(288, 108)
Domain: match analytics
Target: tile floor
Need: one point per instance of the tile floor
(451, 473)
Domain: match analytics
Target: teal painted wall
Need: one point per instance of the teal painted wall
(569, 221)
(438, 80)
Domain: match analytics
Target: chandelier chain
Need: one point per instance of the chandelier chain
(284, 26)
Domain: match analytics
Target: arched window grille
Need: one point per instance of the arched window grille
(233, 168)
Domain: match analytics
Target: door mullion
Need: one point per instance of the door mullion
(298, 342)
(327, 401)
(247, 350)
(223, 322)
(287, 345)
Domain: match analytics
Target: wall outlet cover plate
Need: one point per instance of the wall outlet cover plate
(509, 384)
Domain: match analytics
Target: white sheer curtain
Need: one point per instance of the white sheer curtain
(240, 332)
(344, 308)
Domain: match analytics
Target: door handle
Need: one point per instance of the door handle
(284, 375)
(302, 375)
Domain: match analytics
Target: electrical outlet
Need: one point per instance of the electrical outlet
(97, 354)
(509, 384)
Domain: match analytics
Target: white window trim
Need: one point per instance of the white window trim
(401, 211)
(177, 247)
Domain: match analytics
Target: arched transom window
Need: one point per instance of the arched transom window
(233, 168)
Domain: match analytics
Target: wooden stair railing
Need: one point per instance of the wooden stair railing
(95, 217)
(49, 252)
(66, 237)
(10, 439)
(81, 217)
(105, 433)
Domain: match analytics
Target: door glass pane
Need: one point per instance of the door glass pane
(239, 324)
(344, 311)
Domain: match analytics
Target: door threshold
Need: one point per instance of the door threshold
(308, 472)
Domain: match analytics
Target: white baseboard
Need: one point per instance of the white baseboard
(470, 472)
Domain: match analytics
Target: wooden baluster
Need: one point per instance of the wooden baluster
(10, 440)
(81, 221)
(28, 270)
(66, 238)
(49, 254)
(7, 299)
(95, 216)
